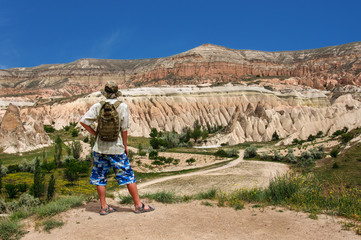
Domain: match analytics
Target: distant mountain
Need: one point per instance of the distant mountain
(323, 68)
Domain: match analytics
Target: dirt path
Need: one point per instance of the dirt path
(193, 221)
(231, 164)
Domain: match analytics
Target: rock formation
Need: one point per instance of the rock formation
(248, 113)
(322, 68)
(17, 137)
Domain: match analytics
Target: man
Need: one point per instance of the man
(112, 153)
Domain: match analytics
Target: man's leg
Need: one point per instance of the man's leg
(101, 194)
(133, 190)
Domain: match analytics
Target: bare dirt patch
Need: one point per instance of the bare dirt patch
(193, 221)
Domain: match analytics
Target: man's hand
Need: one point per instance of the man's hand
(89, 129)
(126, 151)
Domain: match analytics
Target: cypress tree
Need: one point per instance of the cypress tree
(58, 151)
(51, 188)
(38, 187)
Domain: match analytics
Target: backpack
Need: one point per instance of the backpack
(108, 122)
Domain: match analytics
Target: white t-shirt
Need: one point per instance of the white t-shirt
(116, 147)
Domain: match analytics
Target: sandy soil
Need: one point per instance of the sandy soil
(192, 221)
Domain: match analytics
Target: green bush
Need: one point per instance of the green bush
(22, 187)
(49, 129)
(334, 153)
(153, 154)
(220, 153)
(74, 133)
(250, 152)
(11, 190)
(190, 161)
(277, 156)
(346, 137)
(275, 136)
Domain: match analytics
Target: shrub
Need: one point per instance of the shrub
(316, 154)
(319, 134)
(22, 187)
(250, 152)
(311, 138)
(74, 133)
(290, 157)
(346, 137)
(335, 165)
(153, 154)
(11, 190)
(190, 161)
(282, 188)
(220, 153)
(277, 156)
(49, 129)
(306, 159)
(275, 136)
(232, 153)
(86, 139)
(334, 153)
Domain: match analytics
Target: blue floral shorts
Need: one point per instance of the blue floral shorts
(121, 167)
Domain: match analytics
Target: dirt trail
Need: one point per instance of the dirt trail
(231, 164)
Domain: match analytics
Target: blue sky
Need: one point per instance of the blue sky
(46, 32)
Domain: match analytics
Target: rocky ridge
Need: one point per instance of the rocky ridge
(322, 68)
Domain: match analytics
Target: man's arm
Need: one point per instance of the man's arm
(125, 140)
(89, 129)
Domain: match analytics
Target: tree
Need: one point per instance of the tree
(51, 188)
(76, 149)
(3, 173)
(153, 133)
(71, 171)
(38, 187)
(197, 133)
(275, 136)
(58, 150)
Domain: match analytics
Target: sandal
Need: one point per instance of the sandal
(107, 210)
(142, 209)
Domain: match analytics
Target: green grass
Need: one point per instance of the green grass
(58, 206)
(303, 192)
(347, 171)
(51, 224)
(163, 197)
(10, 229)
(135, 141)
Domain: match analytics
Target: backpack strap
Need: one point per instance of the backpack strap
(116, 104)
(101, 106)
